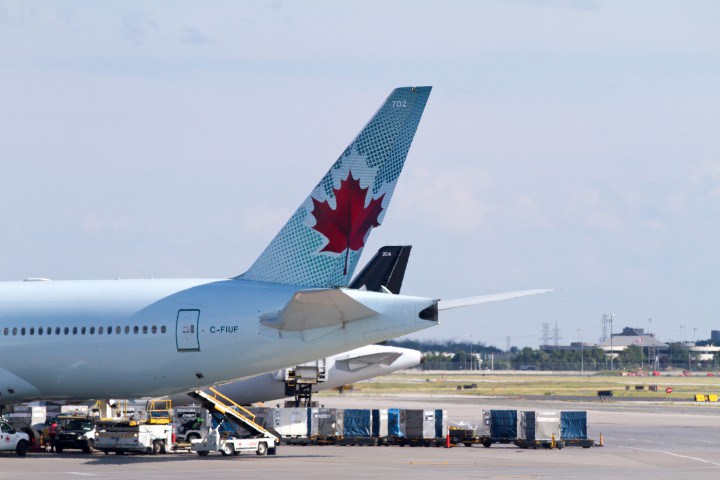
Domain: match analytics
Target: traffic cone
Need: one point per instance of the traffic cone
(602, 442)
(447, 441)
(553, 444)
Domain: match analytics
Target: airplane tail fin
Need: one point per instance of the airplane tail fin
(321, 243)
(385, 271)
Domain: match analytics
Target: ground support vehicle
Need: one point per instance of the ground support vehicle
(468, 437)
(234, 430)
(188, 423)
(77, 434)
(215, 441)
(581, 442)
(131, 436)
(535, 444)
(359, 441)
(12, 440)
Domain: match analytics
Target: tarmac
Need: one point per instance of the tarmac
(641, 440)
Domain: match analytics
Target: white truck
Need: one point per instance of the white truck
(12, 440)
(134, 437)
(214, 441)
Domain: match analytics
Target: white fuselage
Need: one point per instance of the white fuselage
(138, 338)
(342, 369)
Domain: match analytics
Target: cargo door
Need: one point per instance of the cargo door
(186, 330)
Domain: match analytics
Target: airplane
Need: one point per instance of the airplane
(67, 340)
(357, 365)
(383, 273)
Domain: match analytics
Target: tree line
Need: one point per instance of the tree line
(459, 355)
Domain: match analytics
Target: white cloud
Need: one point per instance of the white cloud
(604, 221)
(193, 36)
(447, 200)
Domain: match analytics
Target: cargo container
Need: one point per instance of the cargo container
(503, 426)
(396, 423)
(574, 429)
(357, 423)
(325, 423)
(290, 422)
(573, 424)
(380, 423)
(441, 424)
(420, 424)
(538, 429)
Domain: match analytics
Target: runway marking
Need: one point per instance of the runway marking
(429, 463)
(82, 474)
(675, 455)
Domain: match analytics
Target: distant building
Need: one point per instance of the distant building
(702, 353)
(632, 332)
(715, 337)
(574, 346)
(618, 343)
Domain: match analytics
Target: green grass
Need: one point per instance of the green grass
(537, 384)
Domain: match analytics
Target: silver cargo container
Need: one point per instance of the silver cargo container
(420, 424)
(483, 430)
(325, 422)
(290, 422)
(539, 426)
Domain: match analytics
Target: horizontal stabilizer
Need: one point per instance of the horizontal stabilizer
(318, 308)
(495, 297)
(363, 361)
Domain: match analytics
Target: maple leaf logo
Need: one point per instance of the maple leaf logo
(346, 226)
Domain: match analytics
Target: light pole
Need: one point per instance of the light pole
(582, 353)
(647, 334)
(472, 357)
(612, 353)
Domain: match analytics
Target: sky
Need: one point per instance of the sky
(569, 144)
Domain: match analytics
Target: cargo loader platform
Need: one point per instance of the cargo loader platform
(215, 401)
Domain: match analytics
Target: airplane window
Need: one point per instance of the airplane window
(145, 329)
(15, 331)
(154, 329)
(100, 330)
(136, 329)
(49, 330)
(92, 330)
(82, 330)
(22, 331)
(163, 329)
(6, 331)
(40, 331)
(32, 330)
(74, 330)
(57, 330)
(127, 329)
(117, 330)
(66, 330)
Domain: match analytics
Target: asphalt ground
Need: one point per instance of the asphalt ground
(642, 440)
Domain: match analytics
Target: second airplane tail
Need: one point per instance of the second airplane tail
(321, 243)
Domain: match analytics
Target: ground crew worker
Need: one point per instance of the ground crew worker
(52, 433)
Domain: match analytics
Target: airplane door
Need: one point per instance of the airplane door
(186, 330)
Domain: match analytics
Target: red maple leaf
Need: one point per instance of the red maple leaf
(347, 225)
